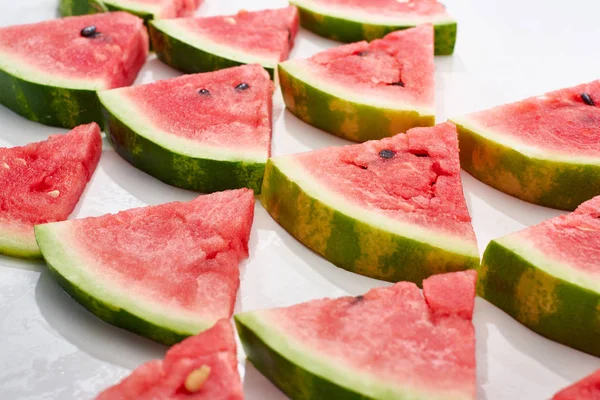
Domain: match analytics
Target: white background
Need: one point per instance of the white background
(51, 348)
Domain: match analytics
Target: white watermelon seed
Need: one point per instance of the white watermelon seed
(230, 20)
(5, 165)
(54, 194)
(196, 378)
(20, 161)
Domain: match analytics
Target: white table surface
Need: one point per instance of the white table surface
(51, 348)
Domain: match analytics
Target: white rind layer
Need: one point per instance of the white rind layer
(528, 251)
(174, 28)
(523, 148)
(63, 253)
(303, 178)
(363, 17)
(302, 71)
(18, 239)
(118, 104)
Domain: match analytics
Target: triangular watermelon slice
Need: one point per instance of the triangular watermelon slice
(544, 149)
(586, 389)
(50, 71)
(204, 132)
(365, 91)
(164, 272)
(391, 343)
(391, 209)
(146, 9)
(42, 182)
(202, 367)
(207, 44)
(547, 277)
(354, 20)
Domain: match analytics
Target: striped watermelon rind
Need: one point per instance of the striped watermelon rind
(354, 29)
(522, 282)
(357, 243)
(69, 8)
(326, 107)
(550, 180)
(18, 241)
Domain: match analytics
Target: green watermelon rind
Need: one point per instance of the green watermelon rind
(201, 174)
(69, 8)
(320, 106)
(64, 266)
(546, 303)
(15, 242)
(191, 55)
(348, 30)
(358, 243)
(550, 180)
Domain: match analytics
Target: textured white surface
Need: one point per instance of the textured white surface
(51, 348)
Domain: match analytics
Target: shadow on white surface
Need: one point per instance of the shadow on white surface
(24, 265)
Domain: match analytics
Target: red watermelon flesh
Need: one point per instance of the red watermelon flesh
(269, 34)
(226, 117)
(558, 121)
(161, 8)
(586, 389)
(398, 67)
(388, 8)
(165, 380)
(56, 49)
(420, 184)
(42, 182)
(394, 334)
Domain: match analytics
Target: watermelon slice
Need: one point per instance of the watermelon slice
(50, 71)
(164, 272)
(548, 277)
(42, 182)
(365, 91)
(544, 150)
(208, 44)
(202, 367)
(205, 132)
(586, 389)
(354, 20)
(146, 9)
(391, 343)
(391, 209)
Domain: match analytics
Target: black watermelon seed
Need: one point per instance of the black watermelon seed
(362, 53)
(399, 83)
(242, 86)
(203, 92)
(359, 298)
(386, 153)
(587, 99)
(289, 36)
(89, 31)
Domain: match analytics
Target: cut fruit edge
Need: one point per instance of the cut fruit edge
(523, 148)
(296, 173)
(135, 7)
(127, 113)
(18, 240)
(61, 253)
(299, 70)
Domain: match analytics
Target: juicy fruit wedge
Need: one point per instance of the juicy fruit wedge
(365, 91)
(391, 343)
(208, 44)
(203, 367)
(204, 132)
(42, 182)
(50, 71)
(391, 209)
(544, 149)
(164, 272)
(586, 389)
(146, 9)
(548, 278)
(354, 20)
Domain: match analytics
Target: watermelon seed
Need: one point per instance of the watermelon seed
(21, 161)
(242, 86)
(421, 154)
(399, 83)
(5, 165)
(362, 53)
(194, 381)
(203, 92)
(587, 99)
(54, 194)
(289, 36)
(89, 31)
(386, 154)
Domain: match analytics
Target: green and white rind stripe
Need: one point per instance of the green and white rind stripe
(541, 295)
(18, 241)
(302, 374)
(350, 25)
(80, 7)
(111, 302)
(355, 238)
(192, 52)
(343, 112)
(547, 178)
